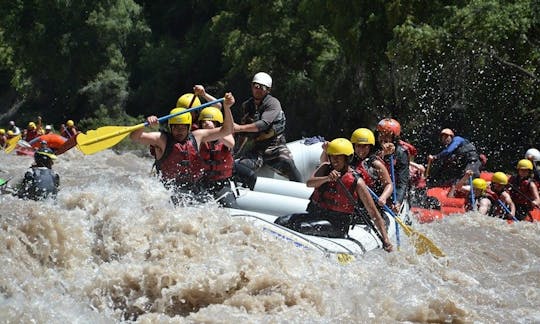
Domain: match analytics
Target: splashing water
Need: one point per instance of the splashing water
(113, 248)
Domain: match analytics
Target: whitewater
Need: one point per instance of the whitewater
(112, 248)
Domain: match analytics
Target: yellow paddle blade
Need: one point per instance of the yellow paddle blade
(103, 138)
(344, 258)
(12, 143)
(421, 242)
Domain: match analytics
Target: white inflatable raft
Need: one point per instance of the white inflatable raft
(361, 237)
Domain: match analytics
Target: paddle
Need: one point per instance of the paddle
(357, 207)
(426, 174)
(12, 143)
(473, 199)
(507, 211)
(104, 137)
(394, 195)
(421, 242)
(523, 195)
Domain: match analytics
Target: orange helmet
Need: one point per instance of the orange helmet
(389, 125)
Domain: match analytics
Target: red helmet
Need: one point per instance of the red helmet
(389, 125)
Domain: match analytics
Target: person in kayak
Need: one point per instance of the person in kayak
(524, 190)
(40, 182)
(391, 148)
(458, 156)
(262, 128)
(217, 159)
(330, 200)
(178, 161)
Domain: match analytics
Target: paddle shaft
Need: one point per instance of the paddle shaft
(522, 194)
(508, 212)
(473, 199)
(161, 119)
(209, 103)
(394, 194)
(362, 215)
(421, 243)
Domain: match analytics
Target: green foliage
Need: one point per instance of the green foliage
(469, 64)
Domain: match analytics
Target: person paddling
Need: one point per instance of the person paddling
(330, 202)
(502, 204)
(177, 151)
(524, 190)
(481, 202)
(217, 159)
(40, 182)
(458, 156)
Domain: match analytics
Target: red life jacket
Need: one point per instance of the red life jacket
(362, 169)
(331, 195)
(180, 161)
(30, 135)
(523, 191)
(217, 161)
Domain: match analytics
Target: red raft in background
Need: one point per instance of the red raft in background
(450, 206)
(56, 142)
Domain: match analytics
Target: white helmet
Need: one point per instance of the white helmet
(262, 78)
(533, 154)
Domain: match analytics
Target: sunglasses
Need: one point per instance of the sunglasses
(259, 86)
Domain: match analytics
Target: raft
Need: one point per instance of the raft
(361, 239)
(54, 141)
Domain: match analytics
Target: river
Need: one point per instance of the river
(112, 248)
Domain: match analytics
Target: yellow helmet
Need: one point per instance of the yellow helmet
(524, 164)
(363, 136)
(10, 133)
(2, 131)
(187, 101)
(340, 146)
(70, 123)
(211, 113)
(32, 125)
(479, 184)
(500, 178)
(182, 119)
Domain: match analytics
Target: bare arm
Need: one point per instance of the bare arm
(209, 135)
(156, 139)
(383, 174)
(505, 197)
(321, 176)
(199, 90)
